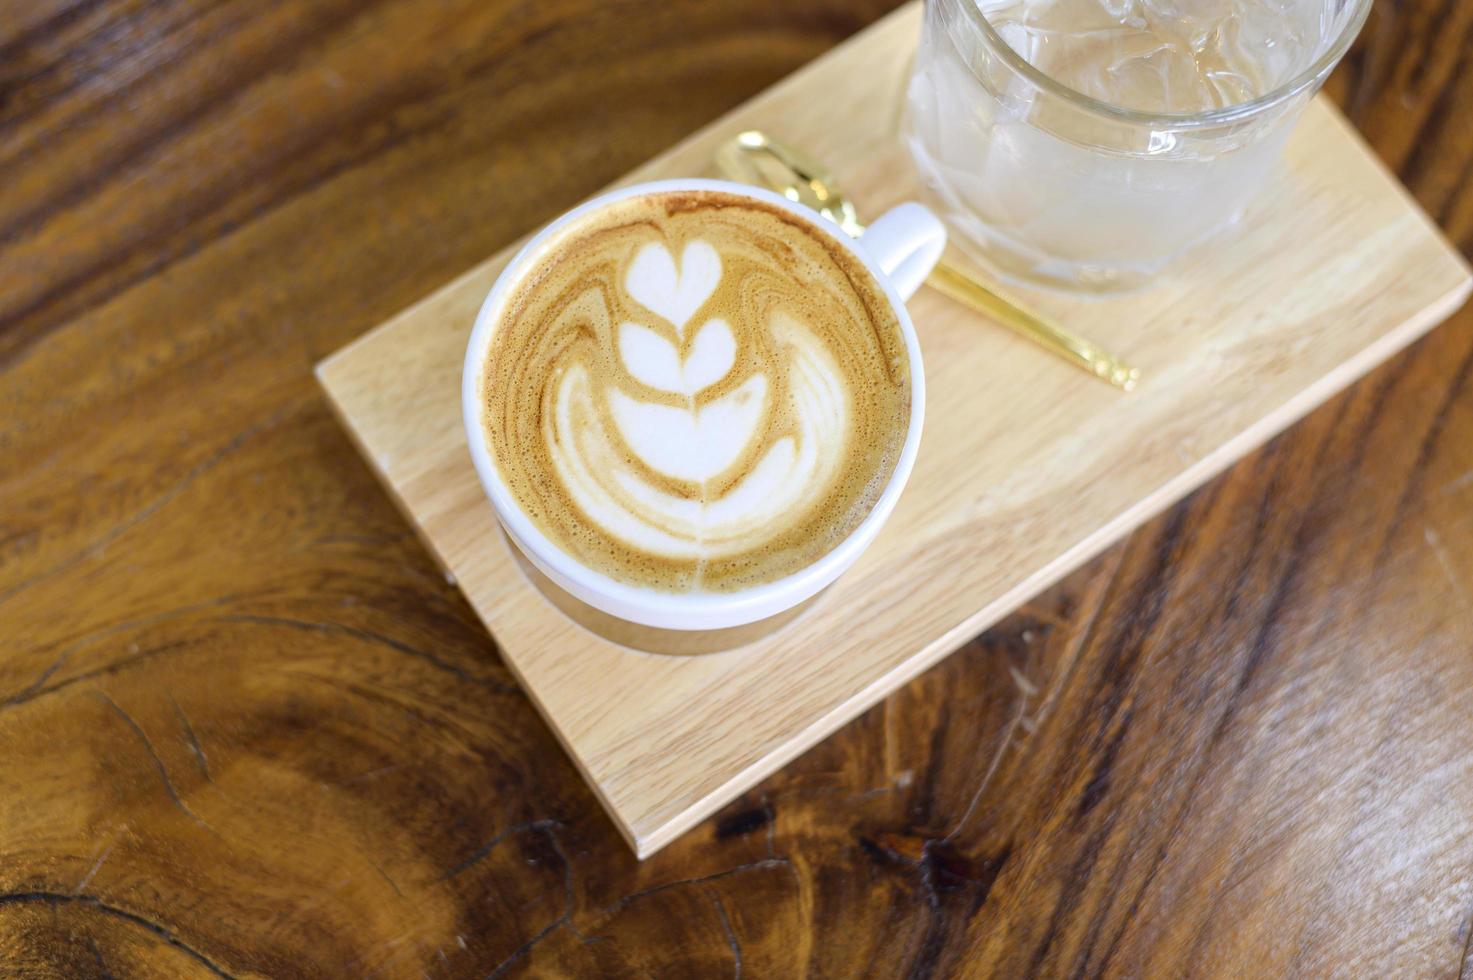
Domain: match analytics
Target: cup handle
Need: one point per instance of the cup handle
(906, 243)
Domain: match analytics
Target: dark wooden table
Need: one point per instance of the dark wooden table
(247, 729)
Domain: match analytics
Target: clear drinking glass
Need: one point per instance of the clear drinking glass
(1046, 184)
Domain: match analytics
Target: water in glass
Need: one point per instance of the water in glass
(1153, 125)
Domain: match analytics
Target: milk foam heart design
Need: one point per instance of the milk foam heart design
(655, 283)
(691, 444)
(781, 480)
(697, 392)
(656, 362)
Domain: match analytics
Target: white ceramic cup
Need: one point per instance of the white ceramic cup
(899, 250)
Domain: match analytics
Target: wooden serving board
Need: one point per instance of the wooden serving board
(1027, 468)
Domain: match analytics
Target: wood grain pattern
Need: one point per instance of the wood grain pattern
(1027, 468)
(1235, 744)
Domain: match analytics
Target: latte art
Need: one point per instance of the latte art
(696, 390)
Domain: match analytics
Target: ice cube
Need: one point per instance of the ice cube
(1176, 56)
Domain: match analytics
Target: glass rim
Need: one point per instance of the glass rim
(1359, 10)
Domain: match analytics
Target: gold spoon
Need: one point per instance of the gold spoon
(753, 157)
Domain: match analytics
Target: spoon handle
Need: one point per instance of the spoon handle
(960, 286)
(753, 157)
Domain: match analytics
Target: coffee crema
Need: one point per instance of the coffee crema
(695, 390)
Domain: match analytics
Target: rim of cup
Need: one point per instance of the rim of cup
(696, 610)
(1308, 78)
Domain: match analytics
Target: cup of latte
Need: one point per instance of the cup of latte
(694, 403)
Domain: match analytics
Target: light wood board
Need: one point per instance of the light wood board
(1027, 467)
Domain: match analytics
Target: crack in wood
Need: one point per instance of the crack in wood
(627, 900)
(565, 919)
(1086, 635)
(153, 754)
(1464, 966)
(189, 737)
(96, 865)
(526, 947)
(485, 849)
(112, 668)
(35, 688)
(56, 900)
(992, 767)
(385, 875)
(1448, 570)
(731, 939)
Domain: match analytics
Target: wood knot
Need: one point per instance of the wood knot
(744, 822)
